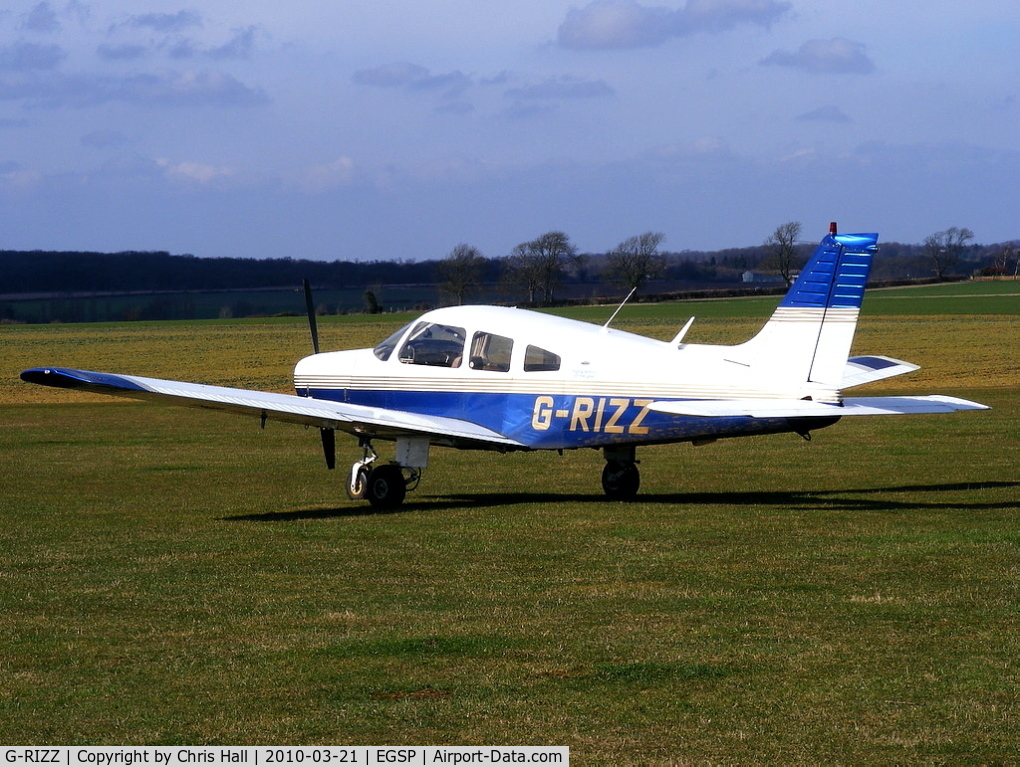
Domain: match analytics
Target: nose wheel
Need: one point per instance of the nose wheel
(357, 477)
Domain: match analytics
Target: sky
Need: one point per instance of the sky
(395, 130)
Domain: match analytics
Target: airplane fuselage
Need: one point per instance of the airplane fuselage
(544, 381)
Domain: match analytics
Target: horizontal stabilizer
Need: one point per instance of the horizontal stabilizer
(796, 408)
(862, 370)
(325, 414)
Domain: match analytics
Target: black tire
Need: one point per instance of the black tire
(620, 480)
(386, 488)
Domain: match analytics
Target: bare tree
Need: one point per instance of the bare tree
(636, 259)
(520, 271)
(782, 249)
(944, 249)
(461, 271)
(538, 265)
(1007, 252)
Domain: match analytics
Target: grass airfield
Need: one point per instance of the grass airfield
(174, 576)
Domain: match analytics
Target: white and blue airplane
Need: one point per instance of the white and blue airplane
(504, 379)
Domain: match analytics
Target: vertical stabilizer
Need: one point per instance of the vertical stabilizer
(807, 340)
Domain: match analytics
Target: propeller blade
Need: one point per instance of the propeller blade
(329, 447)
(310, 306)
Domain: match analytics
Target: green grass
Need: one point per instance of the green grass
(174, 576)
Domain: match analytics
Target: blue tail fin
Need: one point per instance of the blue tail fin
(806, 342)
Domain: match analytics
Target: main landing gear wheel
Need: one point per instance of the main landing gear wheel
(621, 480)
(385, 486)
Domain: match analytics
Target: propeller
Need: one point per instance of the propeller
(329, 447)
(328, 435)
(310, 306)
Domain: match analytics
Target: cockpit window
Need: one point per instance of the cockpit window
(536, 358)
(433, 344)
(385, 348)
(490, 352)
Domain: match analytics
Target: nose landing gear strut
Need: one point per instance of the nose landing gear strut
(386, 485)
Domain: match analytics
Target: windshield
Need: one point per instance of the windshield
(385, 348)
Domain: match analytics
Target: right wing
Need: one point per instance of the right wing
(359, 420)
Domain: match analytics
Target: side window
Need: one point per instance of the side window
(490, 352)
(433, 344)
(537, 358)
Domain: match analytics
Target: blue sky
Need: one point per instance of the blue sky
(389, 129)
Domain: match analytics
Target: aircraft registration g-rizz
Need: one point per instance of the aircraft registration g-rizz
(498, 378)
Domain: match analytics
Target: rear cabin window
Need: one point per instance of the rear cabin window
(490, 352)
(433, 344)
(536, 358)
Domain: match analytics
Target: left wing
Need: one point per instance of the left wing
(797, 408)
(324, 414)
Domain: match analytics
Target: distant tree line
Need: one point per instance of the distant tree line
(134, 271)
(538, 271)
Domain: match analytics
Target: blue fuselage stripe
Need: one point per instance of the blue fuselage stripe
(562, 421)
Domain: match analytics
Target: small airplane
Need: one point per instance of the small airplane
(506, 379)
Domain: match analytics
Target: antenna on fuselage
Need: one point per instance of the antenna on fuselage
(618, 308)
(683, 331)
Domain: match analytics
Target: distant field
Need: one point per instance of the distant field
(992, 297)
(982, 297)
(174, 576)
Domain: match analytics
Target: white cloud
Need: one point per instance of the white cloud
(829, 113)
(105, 139)
(403, 74)
(124, 52)
(165, 22)
(562, 87)
(20, 180)
(724, 15)
(195, 172)
(322, 178)
(240, 46)
(190, 88)
(42, 19)
(616, 24)
(26, 57)
(396, 75)
(835, 56)
(606, 24)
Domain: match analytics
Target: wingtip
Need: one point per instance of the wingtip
(36, 375)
